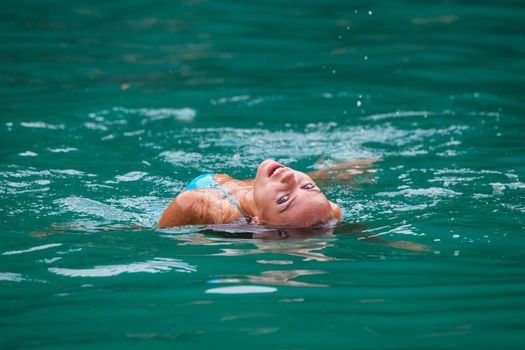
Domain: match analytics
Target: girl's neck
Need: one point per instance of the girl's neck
(243, 194)
(241, 191)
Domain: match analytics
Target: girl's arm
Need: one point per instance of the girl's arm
(344, 171)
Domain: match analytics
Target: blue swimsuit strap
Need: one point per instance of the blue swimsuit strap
(207, 181)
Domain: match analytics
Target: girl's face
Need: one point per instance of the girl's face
(288, 197)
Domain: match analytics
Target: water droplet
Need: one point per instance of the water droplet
(358, 103)
(340, 37)
(366, 57)
(333, 71)
(370, 13)
(347, 27)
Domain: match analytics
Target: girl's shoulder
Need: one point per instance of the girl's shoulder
(198, 207)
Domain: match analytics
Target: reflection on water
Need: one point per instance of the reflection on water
(241, 290)
(302, 248)
(279, 277)
(266, 239)
(307, 243)
(308, 249)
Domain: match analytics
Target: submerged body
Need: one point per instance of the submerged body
(278, 195)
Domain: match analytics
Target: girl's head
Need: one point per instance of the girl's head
(284, 196)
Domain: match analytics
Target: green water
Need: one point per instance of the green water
(108, 108)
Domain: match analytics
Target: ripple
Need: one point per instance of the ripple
(40, 247)
(181, 114)
(518, 208)
(85, 206)
(131, 176)
(11, 276)
(499, 187)
(242, 147)
(95, 126)
(20, 172)
(151, 266)
(28, 154)
(431, 192)
(63, 150)
(42, 125)
(398, 114)
(71, 172)
(232, 99)
(179, 158)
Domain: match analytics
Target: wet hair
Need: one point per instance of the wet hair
(275, 232)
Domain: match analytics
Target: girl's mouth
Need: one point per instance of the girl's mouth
(273, 168)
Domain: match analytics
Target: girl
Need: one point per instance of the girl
(278, 195)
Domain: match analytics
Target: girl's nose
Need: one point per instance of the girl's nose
(289, 178)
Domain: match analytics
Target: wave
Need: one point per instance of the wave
(155, 265)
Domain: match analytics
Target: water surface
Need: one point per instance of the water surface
(109, 109)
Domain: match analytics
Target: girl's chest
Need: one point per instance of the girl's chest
(217, 208)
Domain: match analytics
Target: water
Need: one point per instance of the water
(108, 109)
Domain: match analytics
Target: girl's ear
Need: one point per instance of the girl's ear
(336, 210)
(255, 220)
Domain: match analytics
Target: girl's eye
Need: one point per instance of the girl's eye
(282, 199)
(308, 186)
